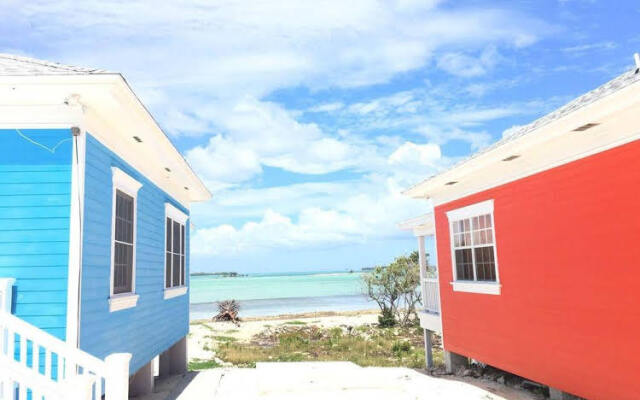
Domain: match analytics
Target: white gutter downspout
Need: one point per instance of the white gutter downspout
(75, 228)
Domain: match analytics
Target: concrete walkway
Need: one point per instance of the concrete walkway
(325, 380)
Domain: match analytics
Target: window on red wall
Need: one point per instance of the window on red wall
(473, 243)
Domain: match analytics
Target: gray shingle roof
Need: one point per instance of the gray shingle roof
(622, 81)
(12, 65)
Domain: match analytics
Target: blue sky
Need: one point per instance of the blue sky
(307, 118)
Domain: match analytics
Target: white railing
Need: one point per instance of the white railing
(431, 295)
(36, 364)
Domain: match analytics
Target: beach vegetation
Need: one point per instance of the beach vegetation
(198, 364)
(367, 345)
(394, 288)
(225, 338)
(295, 322)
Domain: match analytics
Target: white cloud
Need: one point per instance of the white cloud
(205, 69)
(327, 107)
(258, 133)
(590, 47)
(369, 209)
(232, 47)
(466, 66)
(411, 154)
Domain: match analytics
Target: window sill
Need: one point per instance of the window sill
(477, 287)
(123, 301)
(174, 292)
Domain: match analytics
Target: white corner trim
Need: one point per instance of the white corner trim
(125, 182)
(473, 210)
(174, 292)
(175, 214)
(477, 287)
(76, 218)
(123, 301)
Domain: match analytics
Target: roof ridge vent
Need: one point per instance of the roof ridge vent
(636, 57)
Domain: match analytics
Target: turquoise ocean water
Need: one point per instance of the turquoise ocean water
(261, 295)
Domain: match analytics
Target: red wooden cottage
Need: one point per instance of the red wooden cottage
(538, 249)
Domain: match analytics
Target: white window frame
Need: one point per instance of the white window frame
(126, 184)
(474, 210)
(178, 216)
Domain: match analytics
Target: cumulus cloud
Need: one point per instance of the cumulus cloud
(207, 69)
(466, 66)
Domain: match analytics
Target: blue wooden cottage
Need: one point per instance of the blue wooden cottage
(94, 232)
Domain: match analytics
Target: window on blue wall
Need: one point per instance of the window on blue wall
(175, 254)
(123, 244)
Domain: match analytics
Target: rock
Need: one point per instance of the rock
(468, 372)
(500, 379)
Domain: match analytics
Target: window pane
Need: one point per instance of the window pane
(168, 233)
(182, 270)
(485, 264)
(176, 238)
(122, 268)
(182, 247)
(176, 270)
(124, 217)
(167, 270)
(464, 264)
(466, 239)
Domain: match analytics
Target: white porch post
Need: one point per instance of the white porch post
(428, 353)
(6, 285)
(117, 379)
(422, 259)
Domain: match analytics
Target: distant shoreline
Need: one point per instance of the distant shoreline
(223, 274)
(280, 273)
(315, 314)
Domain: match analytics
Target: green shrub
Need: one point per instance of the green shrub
(386, 319)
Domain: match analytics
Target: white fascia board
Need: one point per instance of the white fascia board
(112, 113)
(423, 225)
(473, 210)
(175, 214)
(607, 108)
(40, 116)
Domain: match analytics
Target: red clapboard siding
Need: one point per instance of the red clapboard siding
(568, 245)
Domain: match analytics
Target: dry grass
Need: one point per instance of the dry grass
(364, 345)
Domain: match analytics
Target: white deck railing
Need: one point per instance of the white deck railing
(431, 295)
(36, 364)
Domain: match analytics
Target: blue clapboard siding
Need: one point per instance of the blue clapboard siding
(155, 323)
(35, 186)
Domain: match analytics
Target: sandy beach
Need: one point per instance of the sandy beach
(205, 335)
(202, 332)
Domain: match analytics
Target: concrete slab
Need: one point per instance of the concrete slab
(330, 380)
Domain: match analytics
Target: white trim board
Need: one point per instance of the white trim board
(76, 221)
(477, 287)
(175, 214)
(127, 184)
(617, 117)
(473, 210)
(170, 293)
(113, 114)
(468, 212)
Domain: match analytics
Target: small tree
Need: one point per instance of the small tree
(394, 289)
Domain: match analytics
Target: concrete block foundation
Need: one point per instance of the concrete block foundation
(174, 360)
(453, 361)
